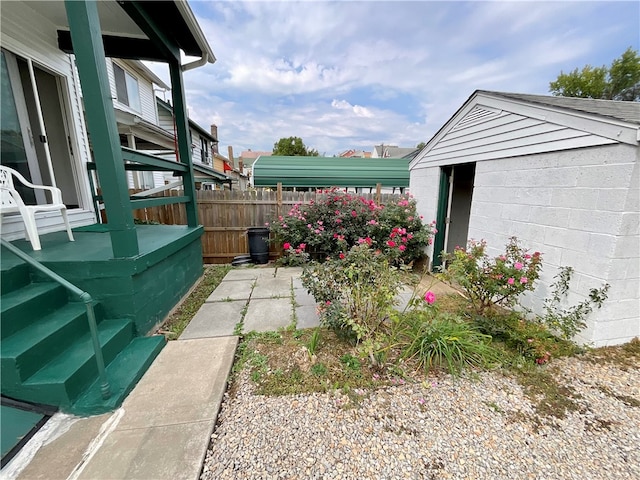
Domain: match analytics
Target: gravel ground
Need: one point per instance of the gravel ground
(482, 427)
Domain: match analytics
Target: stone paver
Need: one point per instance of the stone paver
(307, 317)
(215, 319)
(266, 314)
(232, 290)
(272, 288)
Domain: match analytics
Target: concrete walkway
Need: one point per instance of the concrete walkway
(163, 428)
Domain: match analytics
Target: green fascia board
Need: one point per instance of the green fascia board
(136, 156)
(211, 174)
(268, 171)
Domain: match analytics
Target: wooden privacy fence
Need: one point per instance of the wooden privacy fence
(227, 215)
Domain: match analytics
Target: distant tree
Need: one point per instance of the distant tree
(421, 145)
(293, 146)
(620, 81)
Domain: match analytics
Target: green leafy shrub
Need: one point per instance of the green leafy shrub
(338, 221)
(569, 321)
(493, 281)
(530, 340)
(356, 293)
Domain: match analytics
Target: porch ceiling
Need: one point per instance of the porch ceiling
(123, 38)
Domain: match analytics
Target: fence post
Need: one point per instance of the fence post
(279, 198)
(378, 193)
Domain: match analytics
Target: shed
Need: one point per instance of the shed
(562, 175)
(318, 172)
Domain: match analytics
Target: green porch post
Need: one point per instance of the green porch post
(184, 144)
(88, 48)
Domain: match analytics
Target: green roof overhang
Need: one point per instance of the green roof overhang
(206, 174)
(268, 171)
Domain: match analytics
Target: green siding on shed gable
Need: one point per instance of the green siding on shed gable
(268, 171)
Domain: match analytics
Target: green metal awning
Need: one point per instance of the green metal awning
(318, 172)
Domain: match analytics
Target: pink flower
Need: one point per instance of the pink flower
(341, 256)
(524, 280)
(302, 246)
(517, 266)
(527, 256)
(402, 248)
(511, 281)
(286, 246)
(354, 213)
(430, 297)
(391, 243)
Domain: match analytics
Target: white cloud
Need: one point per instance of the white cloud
(353, 74)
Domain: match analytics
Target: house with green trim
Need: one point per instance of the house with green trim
(60, 128)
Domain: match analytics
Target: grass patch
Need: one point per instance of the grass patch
(177, 321)
(551, 400)
(625, 356)
(290, 369)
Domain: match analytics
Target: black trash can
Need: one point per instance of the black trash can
(259, 244)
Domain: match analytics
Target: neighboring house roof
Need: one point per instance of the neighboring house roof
(268, 171)
(392, 151)
(351, 153)
(167, 106)
(625, 111)
(249, 157)
(493, 125)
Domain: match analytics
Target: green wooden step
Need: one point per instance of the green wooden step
(123, 373)
(14, 275)
(32, 347)
(63, 379)
(21, 307)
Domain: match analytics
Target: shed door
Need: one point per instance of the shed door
(454, 208)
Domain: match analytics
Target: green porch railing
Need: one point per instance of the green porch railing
(142, 162)
(82, 296)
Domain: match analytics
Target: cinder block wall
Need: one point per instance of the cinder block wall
(577, 207)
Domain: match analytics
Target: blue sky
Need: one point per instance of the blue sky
(354, 74)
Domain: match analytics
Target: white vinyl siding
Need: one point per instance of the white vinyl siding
(505, 135)
(28, 34)
(146, 104)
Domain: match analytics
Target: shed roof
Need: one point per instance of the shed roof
(268, 171)
(625, 111)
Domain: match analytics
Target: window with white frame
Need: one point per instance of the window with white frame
(127, 91)
(204, 147)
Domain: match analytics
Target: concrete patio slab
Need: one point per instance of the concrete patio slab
(61, 450)
(232, 290)
(169, 416)
(303, 298)
(241, 274)
(272, 288)
(165, 452)
(184, 384)
(289, 272)
(215, 319)
(307, 317)
(265, 315)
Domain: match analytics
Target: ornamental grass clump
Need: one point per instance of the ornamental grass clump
(338, 220)
(493, 281)
(435, 339)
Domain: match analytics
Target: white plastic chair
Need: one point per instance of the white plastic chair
(11, 202)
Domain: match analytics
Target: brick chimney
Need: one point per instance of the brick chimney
(214, 134)
(231, 158)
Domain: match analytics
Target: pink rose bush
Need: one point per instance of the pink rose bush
(492, 281)
(337, 221)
